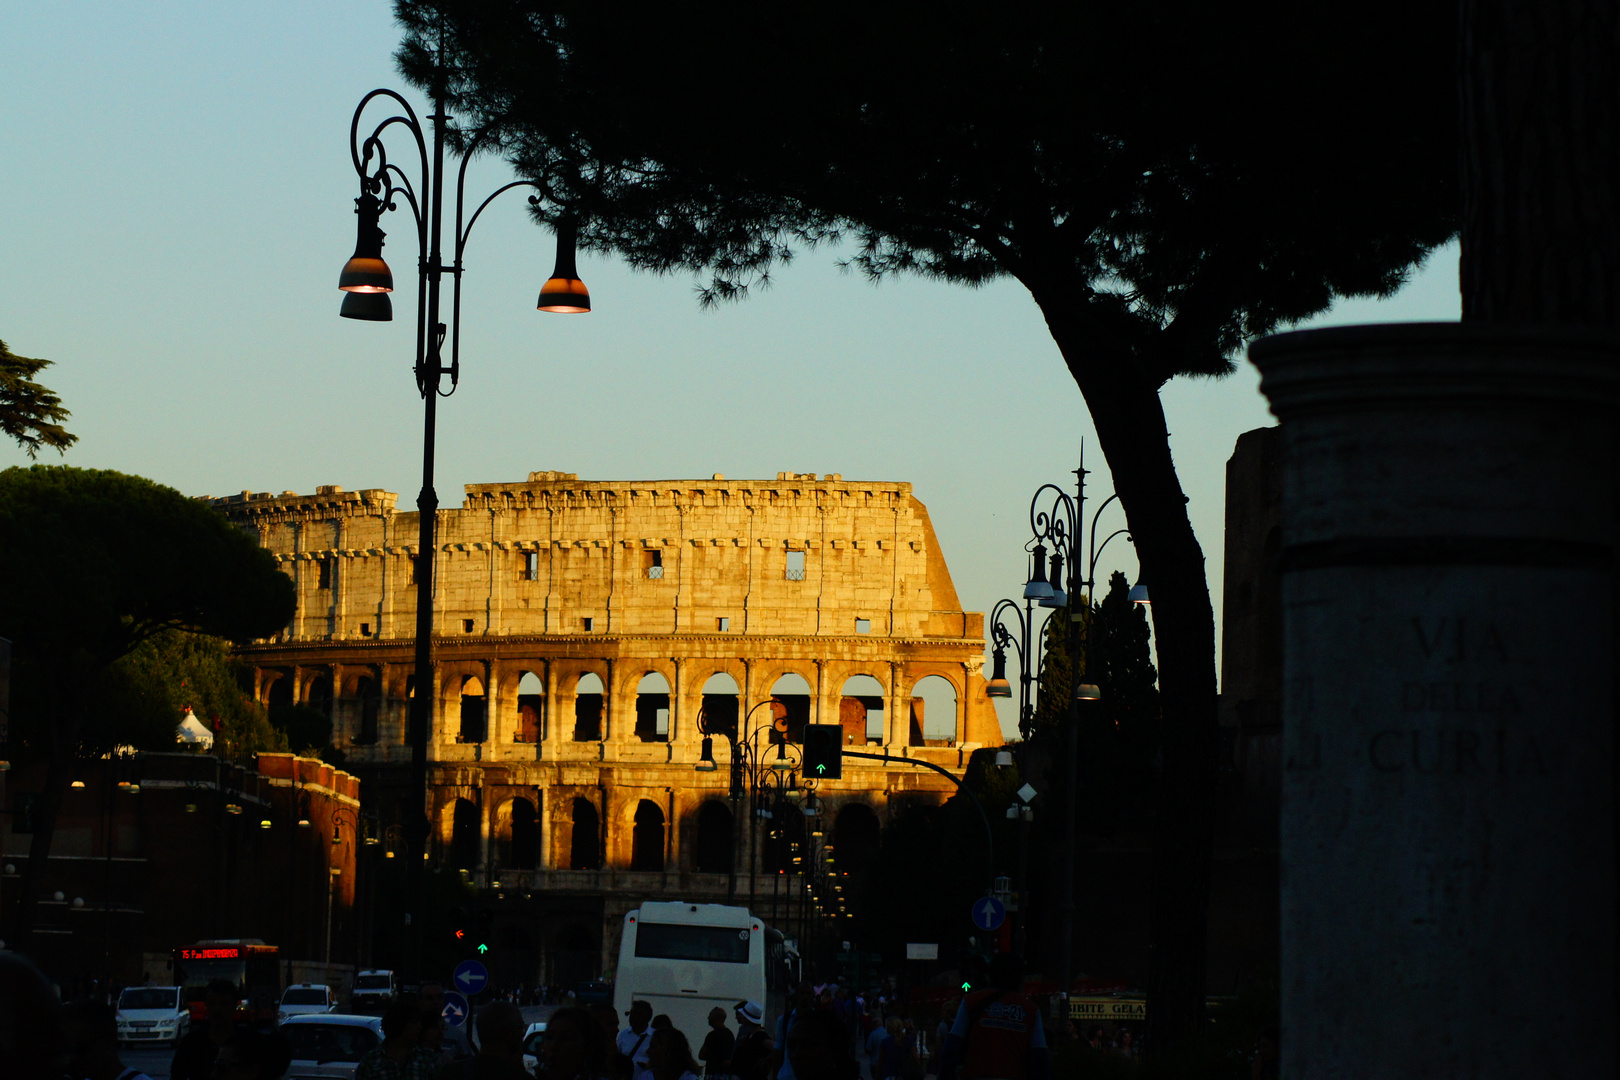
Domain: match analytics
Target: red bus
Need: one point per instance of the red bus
(252, 965)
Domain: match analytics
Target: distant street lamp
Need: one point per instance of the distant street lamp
(750, 772)
(366, 282)
(1057, 526)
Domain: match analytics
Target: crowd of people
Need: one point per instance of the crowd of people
(824, 1032)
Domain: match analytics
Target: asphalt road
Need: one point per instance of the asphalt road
(151, 1060)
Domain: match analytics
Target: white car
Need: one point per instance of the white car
(152, 1014)
(329, 1046)
(531, 1046)
(303, 999)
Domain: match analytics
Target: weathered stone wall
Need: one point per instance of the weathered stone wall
(668, 586)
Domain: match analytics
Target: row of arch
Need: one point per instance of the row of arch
(712, 850)
(934, 707)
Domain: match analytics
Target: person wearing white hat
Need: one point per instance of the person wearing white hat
(750, 1058)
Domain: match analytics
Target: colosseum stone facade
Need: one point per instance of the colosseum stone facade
(587, 634)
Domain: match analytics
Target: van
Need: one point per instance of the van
(372, 989)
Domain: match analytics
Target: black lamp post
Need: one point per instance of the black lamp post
(367, 282)
(750, 764)
(1057, 526)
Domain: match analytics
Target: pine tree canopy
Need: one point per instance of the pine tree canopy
(1195, 175)
(29, 412)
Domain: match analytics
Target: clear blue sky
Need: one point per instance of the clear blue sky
(177, 199)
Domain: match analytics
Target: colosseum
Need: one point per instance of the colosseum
(604, 650)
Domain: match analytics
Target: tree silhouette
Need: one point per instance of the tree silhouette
(29, 412)
(1167, 183)
(99, 563)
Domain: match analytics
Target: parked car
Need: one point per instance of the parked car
(302, 999)
(531, 1046)
(329, 1046)
(373, 988)
(589, 993)
(152, 1014)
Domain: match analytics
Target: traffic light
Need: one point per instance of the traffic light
(823, 751)
(458, 924)
(486, 923)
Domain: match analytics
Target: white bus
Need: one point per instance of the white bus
(686, 959)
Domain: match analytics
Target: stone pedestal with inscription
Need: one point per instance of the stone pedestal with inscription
(1448, 805)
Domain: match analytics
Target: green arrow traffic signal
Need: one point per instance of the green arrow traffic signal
(823, 752)
(483, 948)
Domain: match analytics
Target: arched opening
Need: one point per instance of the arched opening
(856, 834)
(318, 695)
(368, 691)
(523, 841)
(464, 836)
(711, 854)
(647, 837)
(588, 697)
(720, 701)
(515, 960)
(585, 840)
(277, 690)
(790, 708)
(784, 839)
(933, 712)
(573, 956)
(652, 708)
(474, 705)
(531, 708)
(860, 710)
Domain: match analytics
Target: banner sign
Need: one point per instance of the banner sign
(1107, 1008)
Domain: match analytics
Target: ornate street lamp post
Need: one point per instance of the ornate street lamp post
(1057, 526)
(367, 282)
(750, 765)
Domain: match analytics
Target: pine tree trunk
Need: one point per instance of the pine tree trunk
(1129, 419)
(1540, 97)
(48, 806)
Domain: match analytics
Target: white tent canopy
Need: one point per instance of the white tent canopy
(193, 732)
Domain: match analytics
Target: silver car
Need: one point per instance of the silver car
(329, 1046)
(152, 1014)
(303, 999)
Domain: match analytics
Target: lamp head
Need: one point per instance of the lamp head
(563, 293)
(1038, 587)
(365, 272)
(706, 762)
(1139, 594)
(1059, 598)
(998, 686)
(1087, 692)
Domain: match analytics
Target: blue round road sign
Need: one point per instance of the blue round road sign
(455, 1009)
(989, 913)
(471, 977)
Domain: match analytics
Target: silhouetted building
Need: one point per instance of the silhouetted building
(153, 851)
